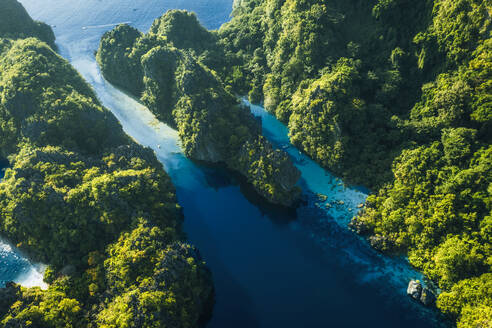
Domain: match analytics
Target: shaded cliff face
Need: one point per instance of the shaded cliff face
(181, 90)
(15, 23)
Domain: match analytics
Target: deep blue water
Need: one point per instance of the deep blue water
(272, 267)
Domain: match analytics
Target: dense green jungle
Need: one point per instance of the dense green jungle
(83, 197)
(393, 95)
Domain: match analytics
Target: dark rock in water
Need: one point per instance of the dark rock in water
(427, 297)
(414, 289)
(423, 295)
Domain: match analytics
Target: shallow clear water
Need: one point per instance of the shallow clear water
(272, 267)
(13, 265)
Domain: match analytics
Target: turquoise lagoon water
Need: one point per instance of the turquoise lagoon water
(272, 267)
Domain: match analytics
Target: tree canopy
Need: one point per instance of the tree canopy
(82, 197)
(168, 69)
(394, 95)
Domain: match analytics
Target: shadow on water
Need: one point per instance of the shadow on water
(219, 176)
(366, 269)
(241, 312)
(295, 269)
(3, 166)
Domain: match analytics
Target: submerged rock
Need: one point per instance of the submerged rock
(414, 289)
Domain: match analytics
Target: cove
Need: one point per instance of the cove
(16, 267)
(271, 267)
(13, 265)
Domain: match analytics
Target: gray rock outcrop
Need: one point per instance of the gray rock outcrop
(427, 297)
(414, 289)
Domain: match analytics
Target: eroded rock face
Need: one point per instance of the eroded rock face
(269, 170)
(427, 297)
(184, 92)
(68, 270)
(421, 294)
(414, 289)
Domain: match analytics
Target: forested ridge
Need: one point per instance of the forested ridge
(394, 95)
(17, 24)
(391, 94)
(168, 69)
(88, 201)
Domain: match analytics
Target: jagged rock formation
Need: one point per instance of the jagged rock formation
(183, 92)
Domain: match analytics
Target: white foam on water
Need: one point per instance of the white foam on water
(33, 278)
(17, 268)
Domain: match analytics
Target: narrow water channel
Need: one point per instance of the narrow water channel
(271, 267)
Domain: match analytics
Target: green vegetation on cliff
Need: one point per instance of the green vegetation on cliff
(167, 68)
(395, 95)
(98, 208)
(15, 23)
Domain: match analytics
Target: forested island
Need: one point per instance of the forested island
(389, 94)
(169, 70)
(84, 198)
(392, 95)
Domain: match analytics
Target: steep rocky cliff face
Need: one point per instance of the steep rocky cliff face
(179, 88)
(269, 170)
